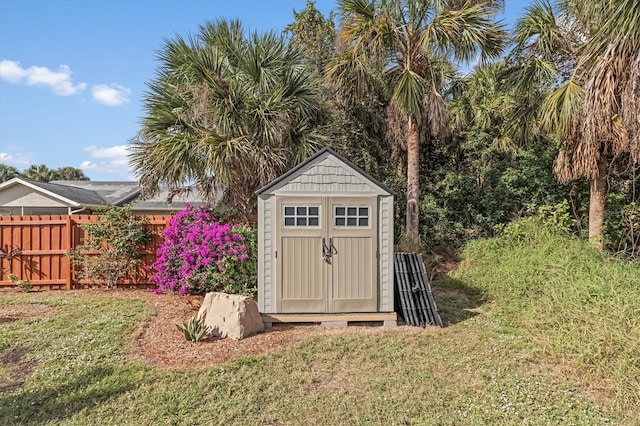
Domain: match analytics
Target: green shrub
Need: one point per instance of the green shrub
(482, 186)
(109, 252)
(547, 219)
(23, 285)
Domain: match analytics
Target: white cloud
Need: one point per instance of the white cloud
(15, 160)
(110, 163)
(11, 71)
(58, 81)
(112, 95)
(114, 152)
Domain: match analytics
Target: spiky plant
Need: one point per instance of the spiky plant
(194, 329)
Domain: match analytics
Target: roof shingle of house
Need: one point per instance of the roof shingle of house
(78, 195)
(92, 194)
(115, 193)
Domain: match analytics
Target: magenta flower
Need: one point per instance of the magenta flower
(201, 254)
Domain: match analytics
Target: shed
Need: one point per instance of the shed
(325, 244)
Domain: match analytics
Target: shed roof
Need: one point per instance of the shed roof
(317, 158)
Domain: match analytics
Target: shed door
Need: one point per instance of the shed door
(302, 273)
(352, 231)
(327, 255)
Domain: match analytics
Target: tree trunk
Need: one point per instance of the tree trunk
(413, 176)
(597, 196)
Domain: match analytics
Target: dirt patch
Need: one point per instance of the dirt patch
(13, 312)
(14, 367)
(158, 342)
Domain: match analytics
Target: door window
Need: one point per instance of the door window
(351, 216)
(300, 216)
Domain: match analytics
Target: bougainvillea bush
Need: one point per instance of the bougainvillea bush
(200, 254)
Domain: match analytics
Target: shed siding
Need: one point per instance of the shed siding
(386, 254)
(265, 255)
(328, 176)
(268, 255)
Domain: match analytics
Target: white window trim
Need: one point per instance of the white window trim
(295, 216)
(358, 217)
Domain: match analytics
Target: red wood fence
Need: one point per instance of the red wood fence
(34, 248)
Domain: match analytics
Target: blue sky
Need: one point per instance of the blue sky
(73, 72)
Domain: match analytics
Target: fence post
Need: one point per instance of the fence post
(67, 248)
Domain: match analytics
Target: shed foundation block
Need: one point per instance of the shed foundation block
(334, 324)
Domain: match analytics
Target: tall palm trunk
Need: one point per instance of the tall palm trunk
(597, 196)
(413, 176)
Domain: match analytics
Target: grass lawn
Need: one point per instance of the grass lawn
(69, 366)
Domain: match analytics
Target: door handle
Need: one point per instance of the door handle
(326, 251)
(332, 248)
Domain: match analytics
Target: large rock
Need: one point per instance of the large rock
(230, 315)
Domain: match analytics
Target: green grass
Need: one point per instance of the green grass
(500, 367)
(576, 305)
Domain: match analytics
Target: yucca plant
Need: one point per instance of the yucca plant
(194, 329)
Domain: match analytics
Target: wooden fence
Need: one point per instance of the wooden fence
(34, 248)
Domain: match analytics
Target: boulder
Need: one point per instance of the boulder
(230, 315)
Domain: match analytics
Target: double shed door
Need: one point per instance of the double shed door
(326, 254)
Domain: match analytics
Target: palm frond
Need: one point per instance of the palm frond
(613, 94)
(408, 93)
(563, 107)
(538, 29)
(352, 76)
(465, 32)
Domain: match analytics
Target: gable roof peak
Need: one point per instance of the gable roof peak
(316, 158)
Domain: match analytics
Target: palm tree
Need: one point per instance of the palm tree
(406, 46)
(226, 109)
(39, 173)
(7, 172)
(70, 173)
(479, 105)
(590, 54)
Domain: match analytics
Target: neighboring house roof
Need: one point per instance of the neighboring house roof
(93, 194)
(159, 201)
(317, 158)
(76, 197)
(115, 193)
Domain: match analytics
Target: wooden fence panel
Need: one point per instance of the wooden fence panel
(34, 248)
(156, 224)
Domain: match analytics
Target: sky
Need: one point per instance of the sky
(73, 72)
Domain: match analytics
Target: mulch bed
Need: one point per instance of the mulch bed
(157, 341)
